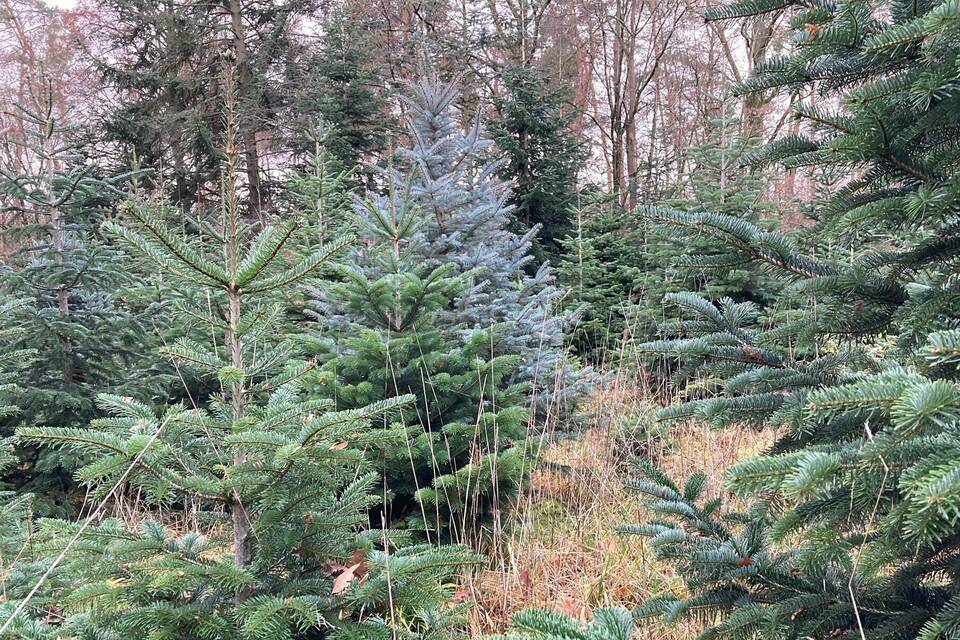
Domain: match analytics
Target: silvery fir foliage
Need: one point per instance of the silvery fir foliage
(446, 173)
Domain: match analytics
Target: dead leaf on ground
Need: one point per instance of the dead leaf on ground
(359, 557)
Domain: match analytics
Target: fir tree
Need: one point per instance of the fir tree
(168, 79)
(853, 529)
(320, 190)
(715, 181)
(464, 455)
(262, 494)
(16, 510)
(607, 624)
(340, 87)
(619, 265)
(605, 267)
(532, 128)
(163, 66)
(81, 318)
(12, 361)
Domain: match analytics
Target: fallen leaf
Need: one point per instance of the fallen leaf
(342, 581)
(359, 558)
(572, 608)
(339, 446)
(332, 567)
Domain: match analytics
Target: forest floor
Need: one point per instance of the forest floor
(562, 551)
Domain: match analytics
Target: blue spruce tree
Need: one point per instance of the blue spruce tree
(466, 223)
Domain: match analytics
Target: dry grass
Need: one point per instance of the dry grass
(563, 552)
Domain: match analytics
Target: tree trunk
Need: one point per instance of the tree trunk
(247, 100)
(233, 342)
(633, 164)
(242, 536)
(58, 240)
(759, 34)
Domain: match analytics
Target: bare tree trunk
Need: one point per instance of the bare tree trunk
(759, 34)
(654, 132)
(631, 101)
(633, 164)
(634, 37)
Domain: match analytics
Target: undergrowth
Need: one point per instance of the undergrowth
(562, 551)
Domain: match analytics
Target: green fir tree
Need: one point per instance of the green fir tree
(464, 455)
(342, 87)
(613, 623)
(533, 129)
(604, 267)
(320, 190)
(86, 316)
(852, 525)
(163, 70)
(619, 264)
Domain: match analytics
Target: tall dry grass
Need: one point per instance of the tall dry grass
(562, 551)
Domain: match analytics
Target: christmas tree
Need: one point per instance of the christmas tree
(466, 223)
(533, 129)
(851, 529)
(342, 87)
(464, 455)
(619, 265)
(84, 314)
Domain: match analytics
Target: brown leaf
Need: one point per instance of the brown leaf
(332, 567)
(342, 581)
(338, 446)
(572, 608)
(359, 559)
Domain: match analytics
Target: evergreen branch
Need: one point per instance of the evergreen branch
(265, 249)
(304, 268)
